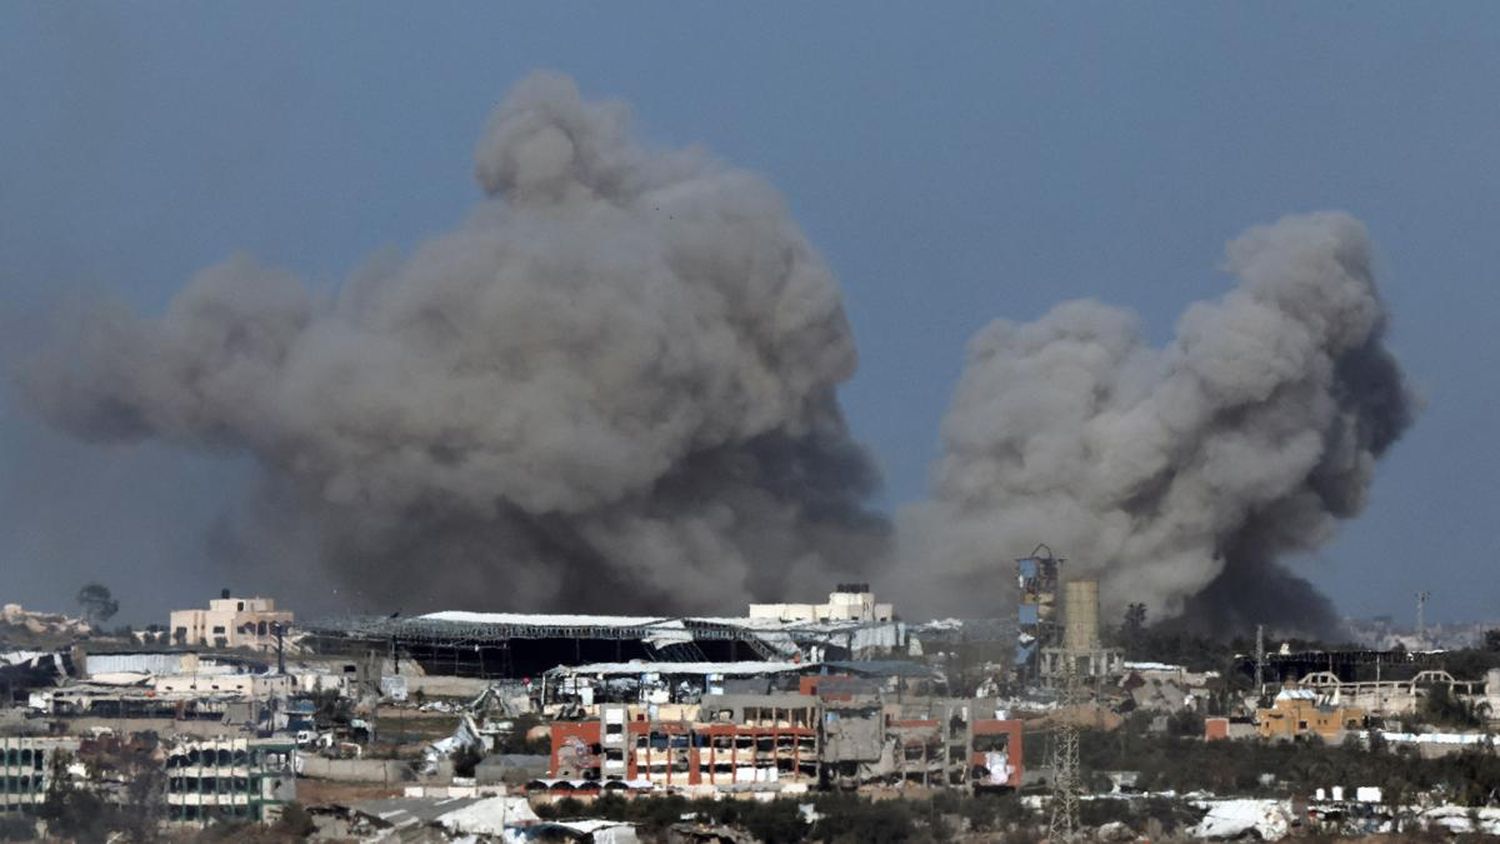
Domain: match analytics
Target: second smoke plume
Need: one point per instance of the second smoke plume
(1179, 476)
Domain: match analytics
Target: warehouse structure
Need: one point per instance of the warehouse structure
(524, 645)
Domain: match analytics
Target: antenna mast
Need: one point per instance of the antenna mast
(1260, 662)
(1422, 616)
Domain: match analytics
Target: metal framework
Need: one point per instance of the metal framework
(481, 646)
(1038, 578)
(1066, 777)
(460, 633)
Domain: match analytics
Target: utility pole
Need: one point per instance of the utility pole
(1422, 616)
(280, 631)
(1260, 663)
(1066, 779)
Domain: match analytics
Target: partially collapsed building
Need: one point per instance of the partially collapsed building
(246, 779)
(790, 742)
(521, 645)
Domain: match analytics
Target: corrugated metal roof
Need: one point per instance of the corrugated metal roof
(546, 620)
(881, 668)
(727, 669)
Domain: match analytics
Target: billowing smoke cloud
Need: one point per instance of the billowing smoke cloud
(612, 386)
(1180, 476)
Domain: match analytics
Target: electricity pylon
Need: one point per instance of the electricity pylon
(1066, 778)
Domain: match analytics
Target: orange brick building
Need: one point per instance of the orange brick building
(741, 740)
(1298, 712)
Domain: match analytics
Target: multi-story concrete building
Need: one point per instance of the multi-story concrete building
(245, 779)
(737, 740)
(782, 741)
(950, 747)
(27, 765)
(231, 622)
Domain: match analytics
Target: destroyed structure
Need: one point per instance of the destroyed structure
(520, 645)
(1052, 632)
(14, 617)
(28, 767)
(456, 723)
(248, 779)
(790, 742)
(1394, 697)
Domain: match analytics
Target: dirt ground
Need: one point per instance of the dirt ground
(323, 792)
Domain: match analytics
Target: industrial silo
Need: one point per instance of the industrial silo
(1081, 615)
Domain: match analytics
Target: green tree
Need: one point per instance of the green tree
(1443, 708)
(98, 604)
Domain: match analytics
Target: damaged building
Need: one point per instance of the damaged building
(230, 779)
(661, 684)
(28, 765)
(792, 742)
(520, 645)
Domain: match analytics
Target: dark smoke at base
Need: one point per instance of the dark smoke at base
(1184, 478)
(1246, 594)
(612, 387)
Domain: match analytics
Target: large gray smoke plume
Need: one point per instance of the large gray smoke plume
(613, 385)
(1180, 476)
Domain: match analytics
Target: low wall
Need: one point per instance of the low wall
(438, 685)
(390, 772)
(161, 726)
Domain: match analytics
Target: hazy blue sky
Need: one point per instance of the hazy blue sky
(954, 162)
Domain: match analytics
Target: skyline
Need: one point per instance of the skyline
(926, 250)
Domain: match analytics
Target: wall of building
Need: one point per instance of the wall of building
(162, 726)
(1290, 717)
(998, 749)
(26, 766)
(229, 623)
(1403, 697)
(842, 606)
(229, 778)
(254, 686)
(797, 741)
(391, 772)
(773, 746)
(140, 663)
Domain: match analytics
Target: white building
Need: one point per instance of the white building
(230, 623)
(27, 769)
(850, 602)
(214, 779)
